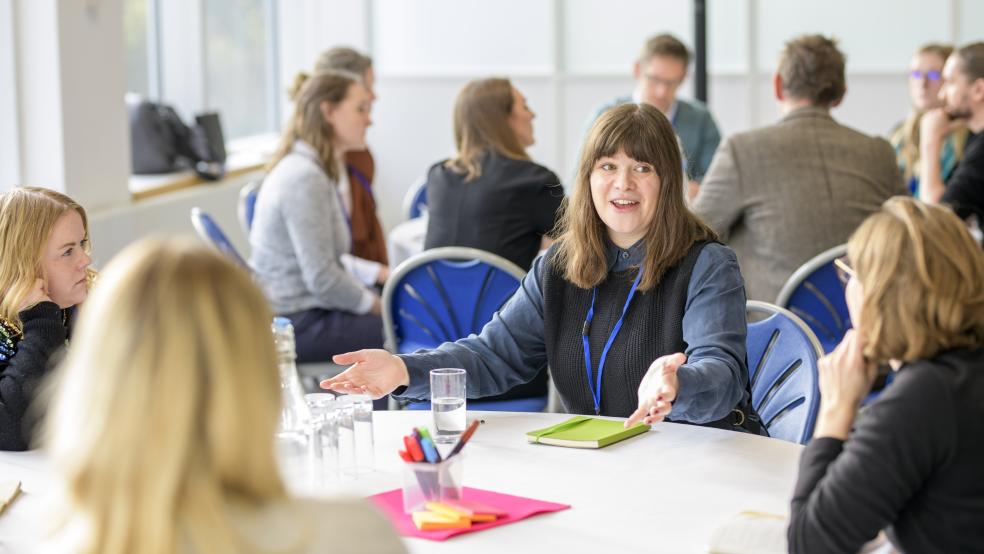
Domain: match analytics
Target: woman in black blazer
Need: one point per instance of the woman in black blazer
(912, 464)
(491, 196)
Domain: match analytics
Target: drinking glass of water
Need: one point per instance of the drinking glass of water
(448, 404)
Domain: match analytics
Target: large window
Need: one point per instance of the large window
(237, 65)
(135, 46)
(205, 55)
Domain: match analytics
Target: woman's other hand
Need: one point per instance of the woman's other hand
(658, 390)
(375, 372)
(845, 378)
(383, 275)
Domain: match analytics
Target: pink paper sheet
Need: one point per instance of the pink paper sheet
(518, 507)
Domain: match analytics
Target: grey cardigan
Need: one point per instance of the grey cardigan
(299, 233)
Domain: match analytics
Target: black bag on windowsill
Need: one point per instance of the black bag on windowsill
(161, 143)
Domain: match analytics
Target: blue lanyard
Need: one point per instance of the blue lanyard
(365, 184)
(596, 389)
(363, 180)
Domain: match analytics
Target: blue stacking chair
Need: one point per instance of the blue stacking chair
(445, 294)
(816, 295)
(782, 369)
(210, 232)
(247, 204)
(415, 201)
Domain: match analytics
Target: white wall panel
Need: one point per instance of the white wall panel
(451, 37)
(9, 143)
(876, 35)
(606, 37)
(970, 21)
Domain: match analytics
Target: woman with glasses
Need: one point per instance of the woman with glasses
(925, 80)
(44, 274)
(913, 463)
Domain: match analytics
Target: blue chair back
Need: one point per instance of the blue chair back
(210, 232)
(415, 202)
(782, 371)
(247, 204)
(445, 294)
(816, 295)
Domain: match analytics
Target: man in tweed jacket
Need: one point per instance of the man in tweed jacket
(782, 194)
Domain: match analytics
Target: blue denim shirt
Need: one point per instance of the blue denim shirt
(510, 349)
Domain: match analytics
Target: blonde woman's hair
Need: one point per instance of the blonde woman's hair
(481, 124)
(27, 217)
(308, 123)
(907, 134)
(645, 135)
(922, 275)
(166, 407)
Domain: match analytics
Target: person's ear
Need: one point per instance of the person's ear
(636, 70)
(327, 110)
(977, 90)
(777, 87)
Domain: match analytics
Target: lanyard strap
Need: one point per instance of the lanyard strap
(596, 389)
(345, 214)
(365, 185)
(363, 180)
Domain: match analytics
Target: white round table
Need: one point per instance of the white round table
(664, 491)
(406, 240)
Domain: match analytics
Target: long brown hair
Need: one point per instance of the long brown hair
(645, 135)
(27, 217)
(922, 279)
(308, 123)
(481, 115)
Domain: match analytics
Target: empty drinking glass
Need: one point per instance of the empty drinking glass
(362, 426)
(324, 436)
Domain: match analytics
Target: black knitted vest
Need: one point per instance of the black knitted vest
(653, 327)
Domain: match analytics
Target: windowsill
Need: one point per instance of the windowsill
(246, 155)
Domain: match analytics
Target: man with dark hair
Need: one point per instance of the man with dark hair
(782, 194)
(963, 94)
(659, 72)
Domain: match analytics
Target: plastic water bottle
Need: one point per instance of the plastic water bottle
(295, 416)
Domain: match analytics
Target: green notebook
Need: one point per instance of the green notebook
(585, 432)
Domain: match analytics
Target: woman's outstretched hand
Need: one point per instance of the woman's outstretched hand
(375, 372)
(658, 390)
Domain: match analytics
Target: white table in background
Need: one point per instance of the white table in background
(664, 491)
(406, 240)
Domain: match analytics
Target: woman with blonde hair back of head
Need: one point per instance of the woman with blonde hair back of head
(636, 308)
(913, 464)
(44, 274)
(162, 431)
(301, 238)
